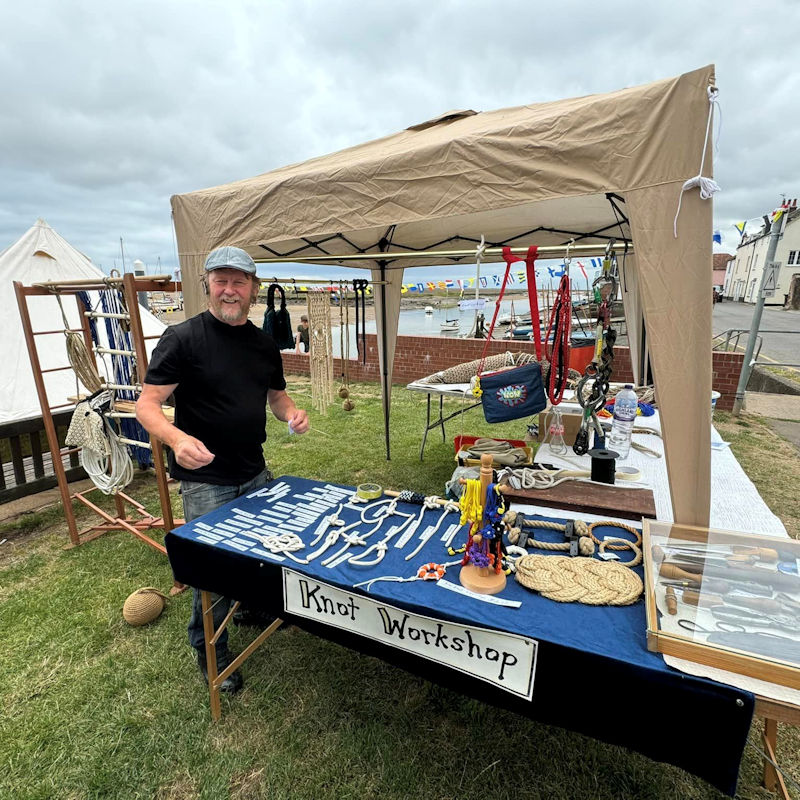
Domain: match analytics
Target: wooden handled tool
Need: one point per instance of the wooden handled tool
(676, 573)
(762, 553)
(707, 600)
(672, 600)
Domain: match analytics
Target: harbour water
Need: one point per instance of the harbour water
(416, 322)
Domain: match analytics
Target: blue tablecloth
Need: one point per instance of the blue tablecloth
(594, 673)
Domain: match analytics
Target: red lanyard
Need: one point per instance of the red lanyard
(530, 261)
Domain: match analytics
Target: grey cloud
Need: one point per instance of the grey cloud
(112, 108)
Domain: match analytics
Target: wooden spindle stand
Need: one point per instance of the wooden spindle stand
(483, 580)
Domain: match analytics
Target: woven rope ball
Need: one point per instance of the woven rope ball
(143, 606)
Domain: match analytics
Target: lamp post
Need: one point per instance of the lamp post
(776, 231)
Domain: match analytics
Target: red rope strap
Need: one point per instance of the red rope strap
(558, 352)
(530, 260)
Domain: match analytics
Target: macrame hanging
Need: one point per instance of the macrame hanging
(344, 342)
(320, 350)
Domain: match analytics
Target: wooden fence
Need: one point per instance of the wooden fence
(26, 462)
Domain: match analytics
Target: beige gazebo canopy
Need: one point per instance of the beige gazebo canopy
(588, 168)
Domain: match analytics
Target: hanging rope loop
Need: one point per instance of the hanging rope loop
(707, 186)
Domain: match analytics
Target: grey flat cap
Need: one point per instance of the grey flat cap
(232, 258)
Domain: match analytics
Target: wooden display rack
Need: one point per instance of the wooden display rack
(483, 580)
(772, 711)
(129, 515)
(766, 668)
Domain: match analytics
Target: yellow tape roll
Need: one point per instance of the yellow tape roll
(369, 491)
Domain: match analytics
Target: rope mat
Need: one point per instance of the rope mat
(579, 580)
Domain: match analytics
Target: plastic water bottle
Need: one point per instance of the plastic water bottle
(625, 407)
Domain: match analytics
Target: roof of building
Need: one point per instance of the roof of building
(721, 260)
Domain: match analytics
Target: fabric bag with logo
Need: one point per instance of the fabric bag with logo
(517, 392)
(513, 393)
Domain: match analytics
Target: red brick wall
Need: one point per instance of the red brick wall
(418, 356)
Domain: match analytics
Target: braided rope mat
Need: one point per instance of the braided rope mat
(579, 580)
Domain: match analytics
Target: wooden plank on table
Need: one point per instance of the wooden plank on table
(591, 498)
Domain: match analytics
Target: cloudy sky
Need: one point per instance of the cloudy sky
(108, 109)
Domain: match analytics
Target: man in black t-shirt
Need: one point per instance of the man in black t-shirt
(223, 372)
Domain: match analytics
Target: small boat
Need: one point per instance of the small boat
(450, 325)
(519, 333)
(429, 309)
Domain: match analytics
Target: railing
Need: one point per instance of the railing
(26, 464)
(729, 340)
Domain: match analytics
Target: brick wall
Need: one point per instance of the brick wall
(418, 356)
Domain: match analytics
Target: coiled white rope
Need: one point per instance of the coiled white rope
(707, 186)
(109, 473)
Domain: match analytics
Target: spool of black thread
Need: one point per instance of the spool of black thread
(604, 464)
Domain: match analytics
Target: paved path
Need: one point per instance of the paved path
(783, 348)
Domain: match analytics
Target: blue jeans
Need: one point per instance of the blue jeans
(203, 498)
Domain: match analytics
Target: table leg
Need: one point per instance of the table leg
(211, 655)
(772, 778)
(427, 427)
(441, 416)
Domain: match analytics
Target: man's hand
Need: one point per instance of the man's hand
(298, 421)
(191, 453)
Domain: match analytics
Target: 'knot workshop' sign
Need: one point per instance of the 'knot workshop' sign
(505, 660)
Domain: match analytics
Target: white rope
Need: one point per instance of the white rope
(707, 185)
(282, 543)
(426, 537)
(532, 478)
(109, 473)
(398, 579)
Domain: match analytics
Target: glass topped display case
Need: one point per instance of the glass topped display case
(728, 600)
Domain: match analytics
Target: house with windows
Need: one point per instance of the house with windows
(743, 274)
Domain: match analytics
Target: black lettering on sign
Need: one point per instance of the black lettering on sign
(323, 604)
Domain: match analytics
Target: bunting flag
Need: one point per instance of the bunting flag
(740, 226)
(717, 237)
(778, 212)
(515, 277)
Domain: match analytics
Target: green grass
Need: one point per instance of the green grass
(92, 708)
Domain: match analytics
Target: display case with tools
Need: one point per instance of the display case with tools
(724, 599)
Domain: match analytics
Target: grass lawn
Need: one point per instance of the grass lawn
(92, 708)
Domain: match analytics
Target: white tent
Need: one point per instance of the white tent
(585, 168)
(41, 254)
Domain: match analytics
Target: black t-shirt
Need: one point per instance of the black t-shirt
(223, 374)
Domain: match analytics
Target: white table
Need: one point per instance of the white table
(442, 390)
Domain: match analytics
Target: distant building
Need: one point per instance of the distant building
(743, 275)
(719, 269)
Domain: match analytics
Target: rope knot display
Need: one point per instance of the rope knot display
(574, 580)
(143, 606)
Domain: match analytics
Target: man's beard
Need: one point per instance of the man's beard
(232, 313)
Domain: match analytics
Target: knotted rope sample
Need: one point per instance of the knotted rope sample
(585, 544)
(321, 350)
(579, 580)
